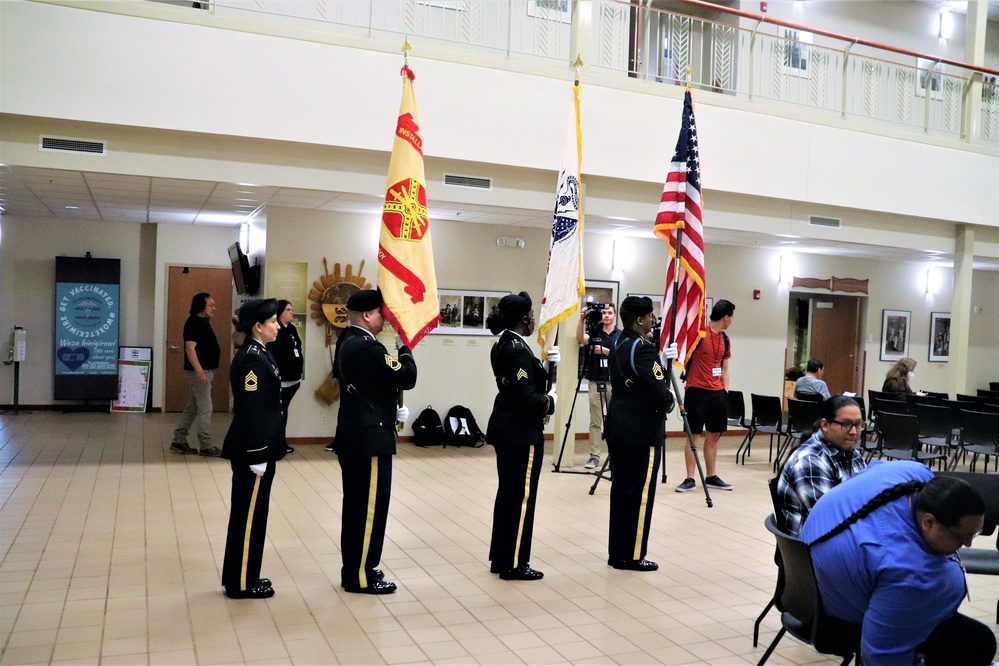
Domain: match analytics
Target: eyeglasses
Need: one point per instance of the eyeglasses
(850, 425)
(960, 537)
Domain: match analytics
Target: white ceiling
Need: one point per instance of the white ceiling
(90, 196)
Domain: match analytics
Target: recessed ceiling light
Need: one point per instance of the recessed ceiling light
(623, 219)
(72, 207)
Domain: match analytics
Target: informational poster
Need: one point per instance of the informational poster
(289, 280)
(135, 367)
(133, 386)
(86, 328)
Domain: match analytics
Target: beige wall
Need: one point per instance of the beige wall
(455, 369)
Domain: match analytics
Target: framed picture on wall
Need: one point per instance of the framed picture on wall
(940, 336)
(601, 291)
(464, 311)
(895, 334)
(709, 303)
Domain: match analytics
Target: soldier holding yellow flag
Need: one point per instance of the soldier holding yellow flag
(370, 381)
(254, 443)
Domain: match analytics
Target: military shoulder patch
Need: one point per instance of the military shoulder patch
(250, 381)
(521, 374)
(392, 362)
(657, 370)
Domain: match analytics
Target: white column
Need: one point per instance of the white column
(974, 53)
(960, 309)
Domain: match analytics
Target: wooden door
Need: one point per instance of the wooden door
(834, 336)
(182, 284)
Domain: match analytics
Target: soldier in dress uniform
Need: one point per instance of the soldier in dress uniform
(516, 429)
(636, 433)
(370, 380)
(254, 443)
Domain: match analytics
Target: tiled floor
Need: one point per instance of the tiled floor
(112, 547)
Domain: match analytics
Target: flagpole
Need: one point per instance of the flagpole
(399, 425)
(669, 366)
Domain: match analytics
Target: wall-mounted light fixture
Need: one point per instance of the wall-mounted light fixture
(785, 272)
(504, 241)
(931, 282)
(946, 26)
(244, 237)
(617, 272)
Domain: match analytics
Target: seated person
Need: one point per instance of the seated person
(825, 459)
(898, 377)
(812, 381)
(884, 546)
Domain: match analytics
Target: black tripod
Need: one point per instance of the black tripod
(600, 384)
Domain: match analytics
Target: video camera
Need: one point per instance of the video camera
(593, 318)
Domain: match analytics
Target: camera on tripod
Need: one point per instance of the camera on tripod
(593, 318)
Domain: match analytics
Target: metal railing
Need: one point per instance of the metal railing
(737, 53)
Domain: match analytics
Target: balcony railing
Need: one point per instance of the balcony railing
(732, 53)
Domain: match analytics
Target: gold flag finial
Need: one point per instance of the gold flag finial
(576, 65)
(405, 51)
(689, 72)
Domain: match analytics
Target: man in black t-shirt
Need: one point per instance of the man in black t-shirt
(201, 358)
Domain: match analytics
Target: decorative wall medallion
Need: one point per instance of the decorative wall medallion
(329, 296)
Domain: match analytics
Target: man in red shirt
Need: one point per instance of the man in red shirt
(706, 396)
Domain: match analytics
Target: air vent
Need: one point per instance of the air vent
(59, 144)
(468, 181)
(831, 222)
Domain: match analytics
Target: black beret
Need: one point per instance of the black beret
(365, 300)
(515, 306)
(640, 305)
(257, 311)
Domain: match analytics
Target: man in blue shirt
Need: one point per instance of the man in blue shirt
(884, 546)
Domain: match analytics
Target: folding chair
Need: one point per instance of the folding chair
(804, 616)
(801, 416)
(979, 437)
(767, 419)
(937, 426)
(899, 435)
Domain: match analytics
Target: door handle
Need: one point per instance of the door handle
(174, 348)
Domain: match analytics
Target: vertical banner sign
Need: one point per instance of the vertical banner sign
(86, 328)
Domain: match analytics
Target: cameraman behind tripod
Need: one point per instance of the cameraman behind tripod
(597, 333)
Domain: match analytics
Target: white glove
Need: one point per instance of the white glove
(398, 342)
(670, 353)
(259, 468)
(402, 414)
(554, 397)
(554, 355)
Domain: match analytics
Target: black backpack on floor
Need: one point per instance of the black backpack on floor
(460, 428)
(428, 429)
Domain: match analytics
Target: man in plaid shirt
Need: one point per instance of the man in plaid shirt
(823, 461)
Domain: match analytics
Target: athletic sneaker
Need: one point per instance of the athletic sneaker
(687, 485)
(593, 462)
(716, 483)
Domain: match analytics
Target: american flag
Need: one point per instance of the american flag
(680, 212)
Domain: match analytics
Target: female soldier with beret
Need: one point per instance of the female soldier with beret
(636, 432)
(254, 443)
(516, 429)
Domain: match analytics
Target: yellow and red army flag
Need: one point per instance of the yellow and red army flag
(405, 252)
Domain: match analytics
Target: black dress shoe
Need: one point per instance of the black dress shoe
(376, 574)
(329, 447)
(290, 449)
(494, 569)
(264, 582)
(376, 587)
(256, 592)
(634, 565)
(523, 572)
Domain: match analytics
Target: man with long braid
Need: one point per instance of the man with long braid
(884, 545)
